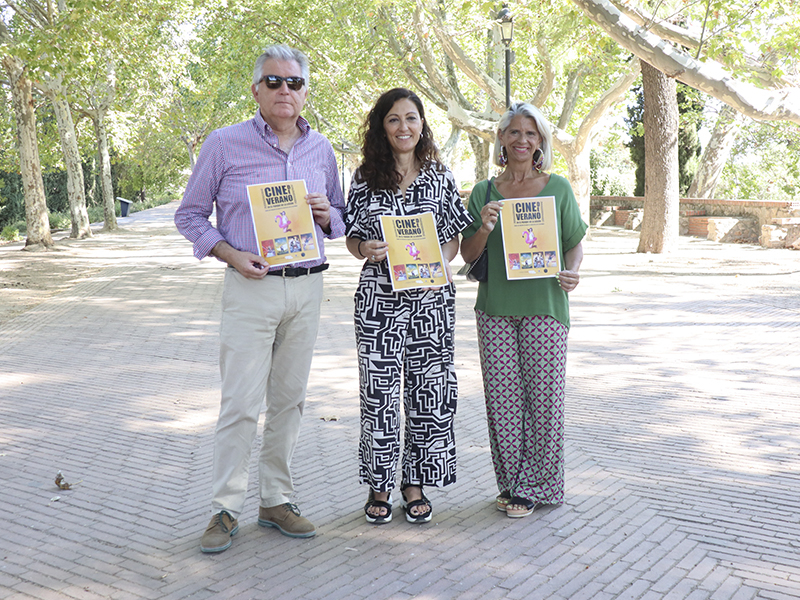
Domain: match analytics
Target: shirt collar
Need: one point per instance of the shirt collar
(263, 126)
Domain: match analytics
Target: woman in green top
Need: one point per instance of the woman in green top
(523, 324)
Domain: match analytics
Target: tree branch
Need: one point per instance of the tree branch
(465, 64)
(707, 76)
(695, 40)
(548, 77)
(23, 14)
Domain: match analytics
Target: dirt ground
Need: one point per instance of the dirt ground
(28, 278)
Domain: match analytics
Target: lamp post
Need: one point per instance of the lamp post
(506, 21)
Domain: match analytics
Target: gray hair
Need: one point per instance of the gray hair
(280, 52)
(542, 124)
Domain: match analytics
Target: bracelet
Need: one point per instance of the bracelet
(359, 249)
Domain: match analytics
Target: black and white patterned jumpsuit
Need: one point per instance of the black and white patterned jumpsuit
(408, 334)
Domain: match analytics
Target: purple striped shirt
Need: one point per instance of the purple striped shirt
(244, 154)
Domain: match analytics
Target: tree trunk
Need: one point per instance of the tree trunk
(190, 146)
(449, 146)
(72, 159)
(661, 199)
(715, 154)
(571, 95)
(91, 193)
(480, 148)
(106, 187)
(580, 179)
(36, 219)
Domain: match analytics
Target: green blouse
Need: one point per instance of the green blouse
(526, 297)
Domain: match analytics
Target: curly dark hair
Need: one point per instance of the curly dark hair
(378, 168)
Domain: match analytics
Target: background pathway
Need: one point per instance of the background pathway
(683, 423)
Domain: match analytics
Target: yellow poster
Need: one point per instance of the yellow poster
(414, 256)
(530, 237)
(283, 222)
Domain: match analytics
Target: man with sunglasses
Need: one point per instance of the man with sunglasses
(270, 317)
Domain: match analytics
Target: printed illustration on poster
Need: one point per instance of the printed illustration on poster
(414, 256)
(530, 237)
(283, 222)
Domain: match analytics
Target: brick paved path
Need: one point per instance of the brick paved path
(683, 424)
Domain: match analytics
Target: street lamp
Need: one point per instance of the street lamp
(506, 22)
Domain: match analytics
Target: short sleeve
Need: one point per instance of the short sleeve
(573, 228)
(455, 217)
(356, 210)
(477, 199)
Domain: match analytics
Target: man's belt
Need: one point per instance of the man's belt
(298, 271)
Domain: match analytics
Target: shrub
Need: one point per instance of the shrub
(96, 214)
(10, 233)
(59, 220)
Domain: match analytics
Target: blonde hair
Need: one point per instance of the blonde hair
(542, 124)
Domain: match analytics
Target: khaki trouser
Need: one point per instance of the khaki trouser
(267, 337)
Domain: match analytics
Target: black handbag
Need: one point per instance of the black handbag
(479, 268)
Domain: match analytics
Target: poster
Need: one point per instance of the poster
(283, 222)
(415, 256)
(530, 238)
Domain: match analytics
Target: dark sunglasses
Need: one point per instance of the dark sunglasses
(274, 82)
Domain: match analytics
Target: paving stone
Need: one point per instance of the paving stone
(680, 479)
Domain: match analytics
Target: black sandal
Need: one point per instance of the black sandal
(423, 517)
(371, 502)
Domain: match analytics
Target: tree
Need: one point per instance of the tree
(52, 86)
(38, 224)
(450, 53)
(764, 163)
(137, 53)
(690, 119)
(636, 141)
(716, 153)
(690, 114)
(661, 198)
(34, 35)
(725, 30)
(662, 44)
(202, 96)
(98, 98)
(75, 52)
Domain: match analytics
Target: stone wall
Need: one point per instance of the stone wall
(733, 229)
(772, 223)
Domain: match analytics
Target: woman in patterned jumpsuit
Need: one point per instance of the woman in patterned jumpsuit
(404, 338)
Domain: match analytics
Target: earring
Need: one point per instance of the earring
(538, 159)
(503, 156)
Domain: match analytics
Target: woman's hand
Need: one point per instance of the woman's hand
(489, 215)
(374, 250)
(568, 280)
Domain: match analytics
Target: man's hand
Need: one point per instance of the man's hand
(321, 209)
(247, 264)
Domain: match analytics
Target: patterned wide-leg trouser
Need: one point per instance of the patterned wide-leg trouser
(523, 360)
(406, 334)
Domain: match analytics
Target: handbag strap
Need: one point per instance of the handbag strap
(488, 191)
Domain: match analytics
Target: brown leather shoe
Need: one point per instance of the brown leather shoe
(219, 532)
(287, 519)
